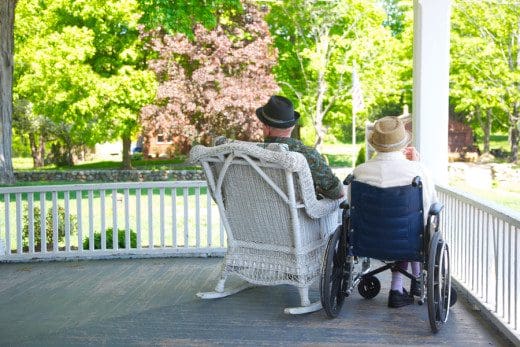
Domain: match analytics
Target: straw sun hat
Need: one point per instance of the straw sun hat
(389, 135)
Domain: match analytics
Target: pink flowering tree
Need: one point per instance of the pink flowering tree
(211, 85)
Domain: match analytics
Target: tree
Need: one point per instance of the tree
(7, 8)
(36, 128)
(80, 66)
(485, 67)
(211, 85)
(319, 44)
(182, 16)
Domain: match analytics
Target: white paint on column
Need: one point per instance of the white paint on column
(431, 63)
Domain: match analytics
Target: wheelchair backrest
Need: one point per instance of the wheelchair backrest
(386, 223)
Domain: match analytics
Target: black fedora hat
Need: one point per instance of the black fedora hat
(278, 112)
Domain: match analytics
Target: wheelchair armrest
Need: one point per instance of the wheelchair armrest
(435, 208)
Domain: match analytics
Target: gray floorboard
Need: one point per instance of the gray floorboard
(141, 302)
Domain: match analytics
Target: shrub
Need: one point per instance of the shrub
(49, 227)
(137, 156)
(360, 156)
(109, 240)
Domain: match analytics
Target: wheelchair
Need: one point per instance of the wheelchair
(387, 224)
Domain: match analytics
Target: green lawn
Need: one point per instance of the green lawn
(179, 163)
(509, 199)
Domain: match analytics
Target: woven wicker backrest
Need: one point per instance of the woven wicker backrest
(261, 192)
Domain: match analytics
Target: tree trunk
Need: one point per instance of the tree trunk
(515, 132)
(487, 131)
(319, 114)
(127, 163)
(37, 150)
(6, 89)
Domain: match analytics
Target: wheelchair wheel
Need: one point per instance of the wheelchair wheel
(335, 274)
(369, 287)
(438, 283)
(453, 297)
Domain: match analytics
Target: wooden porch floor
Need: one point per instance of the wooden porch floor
(152, 302)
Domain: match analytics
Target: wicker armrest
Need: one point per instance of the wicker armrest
(321, 208)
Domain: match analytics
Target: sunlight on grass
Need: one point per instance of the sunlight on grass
(179, 163)
(22, 163)
(498, 196)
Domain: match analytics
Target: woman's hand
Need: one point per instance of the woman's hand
(411, 154)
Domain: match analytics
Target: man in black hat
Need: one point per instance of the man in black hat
(279, 118)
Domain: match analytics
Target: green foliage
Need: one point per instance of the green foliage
(19, 146)
(180, 16)
(361, 156)
(484, 78)
(320, 42)
(80, 68)
(121, 236)
(396, 15)
(338, 160)
(137, 156)
(49, 226)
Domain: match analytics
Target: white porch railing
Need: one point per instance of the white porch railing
(484, 242)
(153, 218)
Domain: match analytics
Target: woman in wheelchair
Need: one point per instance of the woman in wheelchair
(393, 216)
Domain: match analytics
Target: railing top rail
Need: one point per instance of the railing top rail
(98, 186)
(506, 214)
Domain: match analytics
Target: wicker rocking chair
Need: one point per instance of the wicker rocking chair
(277, 230)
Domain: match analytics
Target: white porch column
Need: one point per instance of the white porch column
(431, 62)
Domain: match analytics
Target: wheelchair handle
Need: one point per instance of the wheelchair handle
(344, 205)
(348, 180)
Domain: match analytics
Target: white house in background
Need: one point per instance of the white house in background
(109, 150)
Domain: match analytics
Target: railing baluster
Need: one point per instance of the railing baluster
(208, 217)
(150, 219)
(55, 231)
(504, 269)
(464, 230)
(161, 226)
(102, 202)
(138, 217)
(482, 262)
(197, 217)
(80, 220)
(91, 220)
(19, 223)
(186, 230)
(7, 202)
(128, 243)
(174, 217)
(473, 238)
(30, 212)
(43, 226)
(509, 274)
(516, 292)
(66, 199)
(496, 241)
(115, 227)
(489, 231)
(461, 241)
